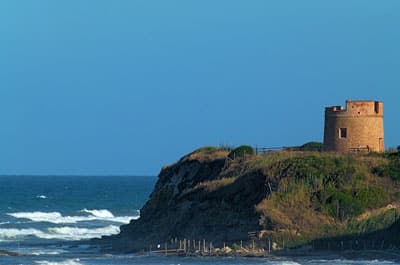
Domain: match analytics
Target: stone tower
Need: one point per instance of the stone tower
(358, 127)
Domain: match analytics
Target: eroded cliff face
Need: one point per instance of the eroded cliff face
(200, 197)
(290, 198)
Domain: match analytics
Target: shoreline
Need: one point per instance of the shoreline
(393, 254)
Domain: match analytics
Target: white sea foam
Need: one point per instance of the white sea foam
(286, 263)
(63, 233)
(45, 252)
(51, 217)
(74, 233)
(58, 218)
(99, 213)
(65, 262)
(41, 197)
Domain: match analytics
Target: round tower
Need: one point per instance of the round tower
(358, 127)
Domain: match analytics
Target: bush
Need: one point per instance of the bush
(241, 151)
(392, 169)
(341, 205)
(310, 146)
(236, 247)
(344, 204)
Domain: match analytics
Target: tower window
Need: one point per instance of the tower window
(376, 106)
(343, 133)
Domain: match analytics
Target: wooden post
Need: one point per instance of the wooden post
(204, 245)
(180, 244)
(194, 245)
(188, 245)
(199, 246)
(166, 249)
(253, 245)
(269, 245)
(224, 245)
(241, 244)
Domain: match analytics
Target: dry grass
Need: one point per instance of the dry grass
(214, 185)
(208, 153)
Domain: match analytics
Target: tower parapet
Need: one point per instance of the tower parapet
(359, 126)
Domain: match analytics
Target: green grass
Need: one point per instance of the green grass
(241, 151)
(206, 150)
(323, 194)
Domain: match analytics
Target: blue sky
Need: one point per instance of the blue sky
(124, 87)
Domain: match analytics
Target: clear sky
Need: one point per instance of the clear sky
(124, 87)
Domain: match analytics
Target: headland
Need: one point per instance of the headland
(234, 202)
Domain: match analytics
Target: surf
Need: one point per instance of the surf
(58, 218)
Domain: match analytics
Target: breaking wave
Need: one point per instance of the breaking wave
(65, 262)
(62, 233)
(99, 213)
(58, 218)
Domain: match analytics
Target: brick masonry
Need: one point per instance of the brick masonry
(358, 126)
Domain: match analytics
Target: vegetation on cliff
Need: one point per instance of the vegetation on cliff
(289, 198)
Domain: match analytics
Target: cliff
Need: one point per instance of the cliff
(289, 198)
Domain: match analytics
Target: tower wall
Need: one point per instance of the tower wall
(358, 126)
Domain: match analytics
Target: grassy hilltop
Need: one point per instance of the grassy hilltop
(292, 198)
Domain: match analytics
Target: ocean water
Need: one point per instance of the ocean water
(49, 218)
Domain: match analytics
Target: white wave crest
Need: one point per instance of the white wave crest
(51, 217)
(65, 262)
(74, 233)
(44, 252)
(41, 197)
(63, 233)
(58, 218)
(99, 213)
(286, 263)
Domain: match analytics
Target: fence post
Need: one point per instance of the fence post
(269, 245)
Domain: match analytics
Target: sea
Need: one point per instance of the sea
(49, 219)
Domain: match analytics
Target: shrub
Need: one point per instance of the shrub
(310, 146)
(241, 151)
(342, 205)
(235, 247)
(347, 203)
(391, 169)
